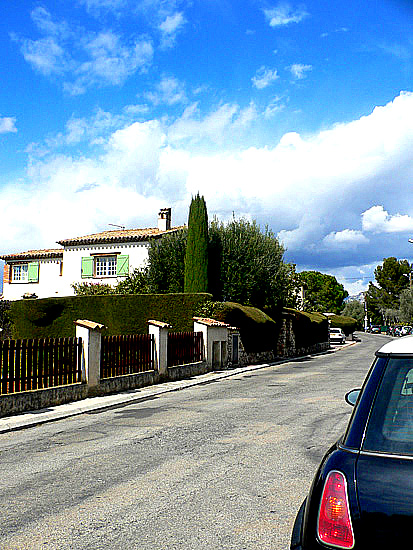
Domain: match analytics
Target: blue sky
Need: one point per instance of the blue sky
(298, 115)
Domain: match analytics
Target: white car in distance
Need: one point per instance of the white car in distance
(337, 336)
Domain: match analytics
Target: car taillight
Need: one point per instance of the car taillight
(334, 523)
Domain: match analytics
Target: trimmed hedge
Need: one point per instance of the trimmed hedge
(347, 324)
(309, 328)
(120, 313)
(258, 331)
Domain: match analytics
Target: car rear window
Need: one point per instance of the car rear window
(390, 428)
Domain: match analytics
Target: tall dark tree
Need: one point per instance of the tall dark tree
(196, 257)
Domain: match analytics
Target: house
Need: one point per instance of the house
(104, 257)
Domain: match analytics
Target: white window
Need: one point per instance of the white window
(20, 273)
(105, 266)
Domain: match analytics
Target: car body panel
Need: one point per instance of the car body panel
(385, 494)
(335, 459)
(379, 481)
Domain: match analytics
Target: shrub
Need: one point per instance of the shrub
(347, 324)
(92, 289)
(309, 328)
(258, 331)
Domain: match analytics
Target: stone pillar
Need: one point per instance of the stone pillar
(91, 334)
(160, 332)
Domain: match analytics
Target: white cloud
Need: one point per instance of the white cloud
(284, 14)
(298, 70)
(377, 220)
(45, 55)
(318, 193)
(7, 124)
(216, 126)
(110, 61)
(97, 6)
(264, 77)
(45, 23)
(274, 107)
(169, 91)
(170, 27)
(348, 238)
(83, 59)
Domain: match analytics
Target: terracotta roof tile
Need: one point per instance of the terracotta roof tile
(34, 254)
(119, 235)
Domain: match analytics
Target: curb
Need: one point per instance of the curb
(59, 412)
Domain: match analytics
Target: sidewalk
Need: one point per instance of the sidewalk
(33, 418)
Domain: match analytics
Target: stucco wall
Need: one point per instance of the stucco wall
(55, 281)
(50, 282)
(72, 262)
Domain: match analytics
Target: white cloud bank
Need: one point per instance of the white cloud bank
(334, 198)
(377, 220)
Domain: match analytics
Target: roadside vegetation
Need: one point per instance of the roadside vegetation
(390, 299)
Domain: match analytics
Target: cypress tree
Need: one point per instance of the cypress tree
(196, 257)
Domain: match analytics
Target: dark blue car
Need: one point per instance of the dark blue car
(362, 494)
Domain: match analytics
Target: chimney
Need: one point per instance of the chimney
(164, 219)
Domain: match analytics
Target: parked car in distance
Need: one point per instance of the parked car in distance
(376, 329)
(406, 330)
(337, 336)
(362, 494)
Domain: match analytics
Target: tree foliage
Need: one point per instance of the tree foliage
(323, 293)
(136, 282)
(248, 264)
(166, 263)
(354, 309)
(392, 278)
(245, 265)
(196, 254)
(406, 305)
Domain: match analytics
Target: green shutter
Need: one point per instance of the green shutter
(33, 272)
(87, 267)
(122, 265)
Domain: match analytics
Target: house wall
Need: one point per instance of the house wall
(55, 282)
(72, 262)
(50, 282)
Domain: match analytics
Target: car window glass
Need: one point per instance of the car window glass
(390, 428)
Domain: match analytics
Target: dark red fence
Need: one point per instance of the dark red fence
(184, 348)
(126, 355)
(38, 364)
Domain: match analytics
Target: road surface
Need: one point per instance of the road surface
(218, 466)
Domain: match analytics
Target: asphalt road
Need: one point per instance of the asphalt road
(223, 465)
